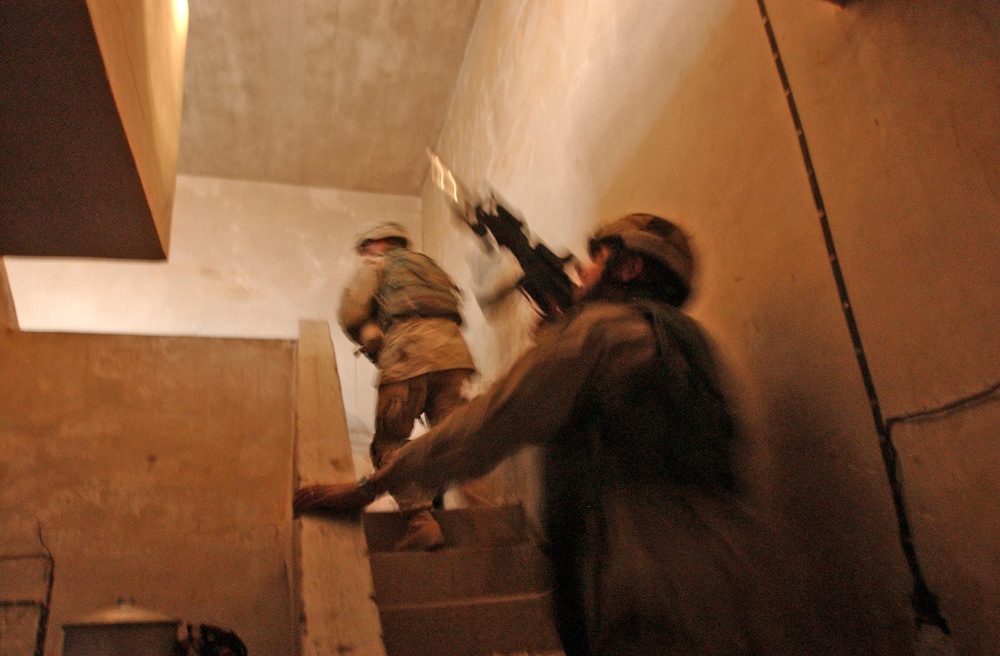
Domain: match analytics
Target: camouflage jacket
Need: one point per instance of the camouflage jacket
(416, 306)
(645, 522)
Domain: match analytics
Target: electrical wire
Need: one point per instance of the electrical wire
(43, 620)
(43, 606)
(945, 410)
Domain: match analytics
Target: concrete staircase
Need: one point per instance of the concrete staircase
(488, 591)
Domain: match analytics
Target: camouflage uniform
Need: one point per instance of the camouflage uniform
(423, 359)
(655, 550)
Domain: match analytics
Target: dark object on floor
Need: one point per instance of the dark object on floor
(208, 640)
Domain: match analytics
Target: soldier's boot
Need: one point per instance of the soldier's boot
(423, 533)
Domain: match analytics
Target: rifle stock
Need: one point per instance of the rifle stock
(545, 282)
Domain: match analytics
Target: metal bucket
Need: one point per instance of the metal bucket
(124, 630)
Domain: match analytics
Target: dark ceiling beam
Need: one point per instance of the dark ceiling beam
(88, 162)
(8, 316)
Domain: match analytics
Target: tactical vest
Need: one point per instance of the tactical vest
(413, 285)
(707, 453)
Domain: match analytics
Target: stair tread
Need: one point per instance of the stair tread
(514, 623)
(483, 600)
(459, 573)
(487, 592)
(448, 552)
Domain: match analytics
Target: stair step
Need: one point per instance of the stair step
(471, 627)
(459, 573)
(462, 527)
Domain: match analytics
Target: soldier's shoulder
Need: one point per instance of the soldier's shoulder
(607, 319)
(624, 321)
(410, 255)
(602, 311)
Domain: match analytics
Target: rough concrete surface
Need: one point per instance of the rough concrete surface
(153, 467)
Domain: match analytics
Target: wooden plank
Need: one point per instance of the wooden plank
(143, 44)
(337, 613)
(8, 317)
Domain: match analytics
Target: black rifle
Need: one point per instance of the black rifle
(545, 281)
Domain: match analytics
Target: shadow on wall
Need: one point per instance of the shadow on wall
(722, 160)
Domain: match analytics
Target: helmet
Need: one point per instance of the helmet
(654, 237)
(377, 230)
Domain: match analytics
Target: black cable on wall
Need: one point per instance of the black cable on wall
(924, 602)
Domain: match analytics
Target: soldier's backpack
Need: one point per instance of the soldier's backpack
(413, 285)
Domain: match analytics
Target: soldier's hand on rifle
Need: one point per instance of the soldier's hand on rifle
(543, 323)
(372, 339)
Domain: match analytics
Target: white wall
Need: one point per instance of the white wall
(246, 260)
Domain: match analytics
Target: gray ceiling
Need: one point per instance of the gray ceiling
(331, 93)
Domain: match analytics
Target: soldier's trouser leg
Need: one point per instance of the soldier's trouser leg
(444, 394)
(398, 406)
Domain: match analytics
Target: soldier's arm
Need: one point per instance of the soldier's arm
(357, 302)
(531, 404)
(528, 405)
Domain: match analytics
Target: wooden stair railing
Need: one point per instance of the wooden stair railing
(332, 579)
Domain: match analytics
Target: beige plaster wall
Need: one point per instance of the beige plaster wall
(901, 103)
(579, 111)
(155, 467)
